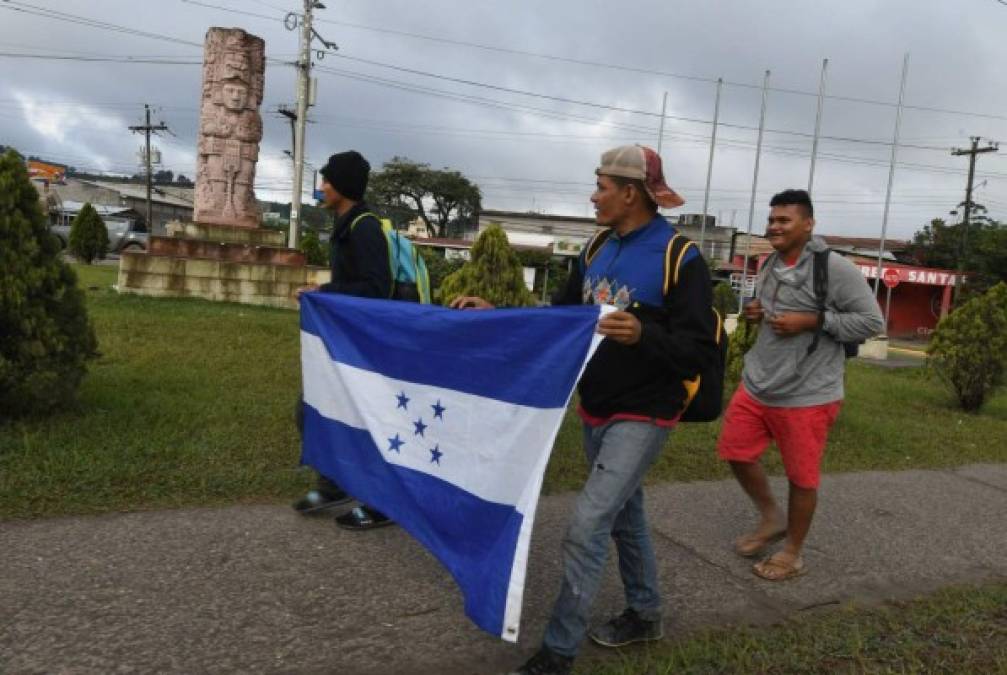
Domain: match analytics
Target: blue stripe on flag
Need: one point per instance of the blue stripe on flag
(424, 343)
(475, 539)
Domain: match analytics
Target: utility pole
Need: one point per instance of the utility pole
(303, 95)
(147, 129)
(891, 178)
(972, 153)
(818, 124)
(755, 184)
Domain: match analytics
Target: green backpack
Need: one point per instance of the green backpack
(410, 279)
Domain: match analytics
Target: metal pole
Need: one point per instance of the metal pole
(709, 165)
(755, 185)
(150, 175)
(891, 174)
(818, 124)
(660, 131)
(303, 80)
(888, 306)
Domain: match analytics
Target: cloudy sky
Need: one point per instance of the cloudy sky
(523, 96)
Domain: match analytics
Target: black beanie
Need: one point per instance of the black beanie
(347, 172)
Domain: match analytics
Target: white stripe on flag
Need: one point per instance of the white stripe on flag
(487, 446)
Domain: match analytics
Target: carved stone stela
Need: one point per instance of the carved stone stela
(230, 128)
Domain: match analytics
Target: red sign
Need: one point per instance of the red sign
(891, 277)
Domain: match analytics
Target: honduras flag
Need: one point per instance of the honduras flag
(444, 420)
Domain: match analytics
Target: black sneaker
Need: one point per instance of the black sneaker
(546, 662)
(363, 518)
(625, 629)
(318, 501)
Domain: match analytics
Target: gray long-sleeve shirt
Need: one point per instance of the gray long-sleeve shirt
(778, 370)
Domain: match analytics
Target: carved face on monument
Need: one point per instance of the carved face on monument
(235, 96)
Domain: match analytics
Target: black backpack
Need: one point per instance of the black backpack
(705, 392)
(820, 272)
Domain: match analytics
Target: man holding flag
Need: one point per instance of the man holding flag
(632, 393)
(360, 267)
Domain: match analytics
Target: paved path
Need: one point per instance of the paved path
(260, 589)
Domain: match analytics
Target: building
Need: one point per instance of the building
(913, 298)
(168, 203)
(568, 234)
(51, 173)
(717, 242)
(114, 217)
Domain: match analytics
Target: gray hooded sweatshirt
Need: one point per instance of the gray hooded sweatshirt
(778, 370)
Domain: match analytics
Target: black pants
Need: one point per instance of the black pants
(327, 487)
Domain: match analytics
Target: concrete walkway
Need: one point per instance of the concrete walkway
(260, 589)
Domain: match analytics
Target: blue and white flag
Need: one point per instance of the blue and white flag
(444, 420)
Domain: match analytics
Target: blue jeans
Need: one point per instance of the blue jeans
(611, 504)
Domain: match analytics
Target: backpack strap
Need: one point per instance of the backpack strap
(386, 228)
(363, 215)
(594, 245)
(679, 251)
(820, 279)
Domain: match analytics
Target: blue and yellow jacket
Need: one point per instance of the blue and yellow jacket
(634, 273)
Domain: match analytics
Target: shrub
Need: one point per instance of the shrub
(315, 252)
(494, 274)
(968, 351)
(725, 300)
(88, 236)
(45, 336)
(438, 267)
(741, 341)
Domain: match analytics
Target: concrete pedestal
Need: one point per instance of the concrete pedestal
(875, 348)
(215, 262)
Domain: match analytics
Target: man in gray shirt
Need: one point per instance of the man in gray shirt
(792, 383)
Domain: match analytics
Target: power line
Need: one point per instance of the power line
(33, 10)
(232, 10)
(621, 109)
(102, 59)
(650, 71)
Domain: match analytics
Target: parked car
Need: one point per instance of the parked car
(123, 235)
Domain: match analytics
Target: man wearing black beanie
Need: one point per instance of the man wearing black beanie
(360, 266)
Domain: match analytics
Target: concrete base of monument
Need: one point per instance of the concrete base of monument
(214, 262)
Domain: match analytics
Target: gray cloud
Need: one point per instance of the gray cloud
(77, 112)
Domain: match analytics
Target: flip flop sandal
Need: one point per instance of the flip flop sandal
(750, 546)
(785, 569)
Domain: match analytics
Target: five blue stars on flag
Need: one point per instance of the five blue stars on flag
(395, 444)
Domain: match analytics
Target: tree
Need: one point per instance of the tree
(991, 251)
(403, 190)
(937, 244)
(45, 336)
(88, 235)
(164, 177)
(183, 180)
(968, 351)
(494, 274)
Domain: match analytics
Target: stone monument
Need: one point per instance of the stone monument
(225, 253)
(230, 128)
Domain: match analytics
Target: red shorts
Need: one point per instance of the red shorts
(799, 433)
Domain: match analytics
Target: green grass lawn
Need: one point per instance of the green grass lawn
(192, 403)
(959, 630)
